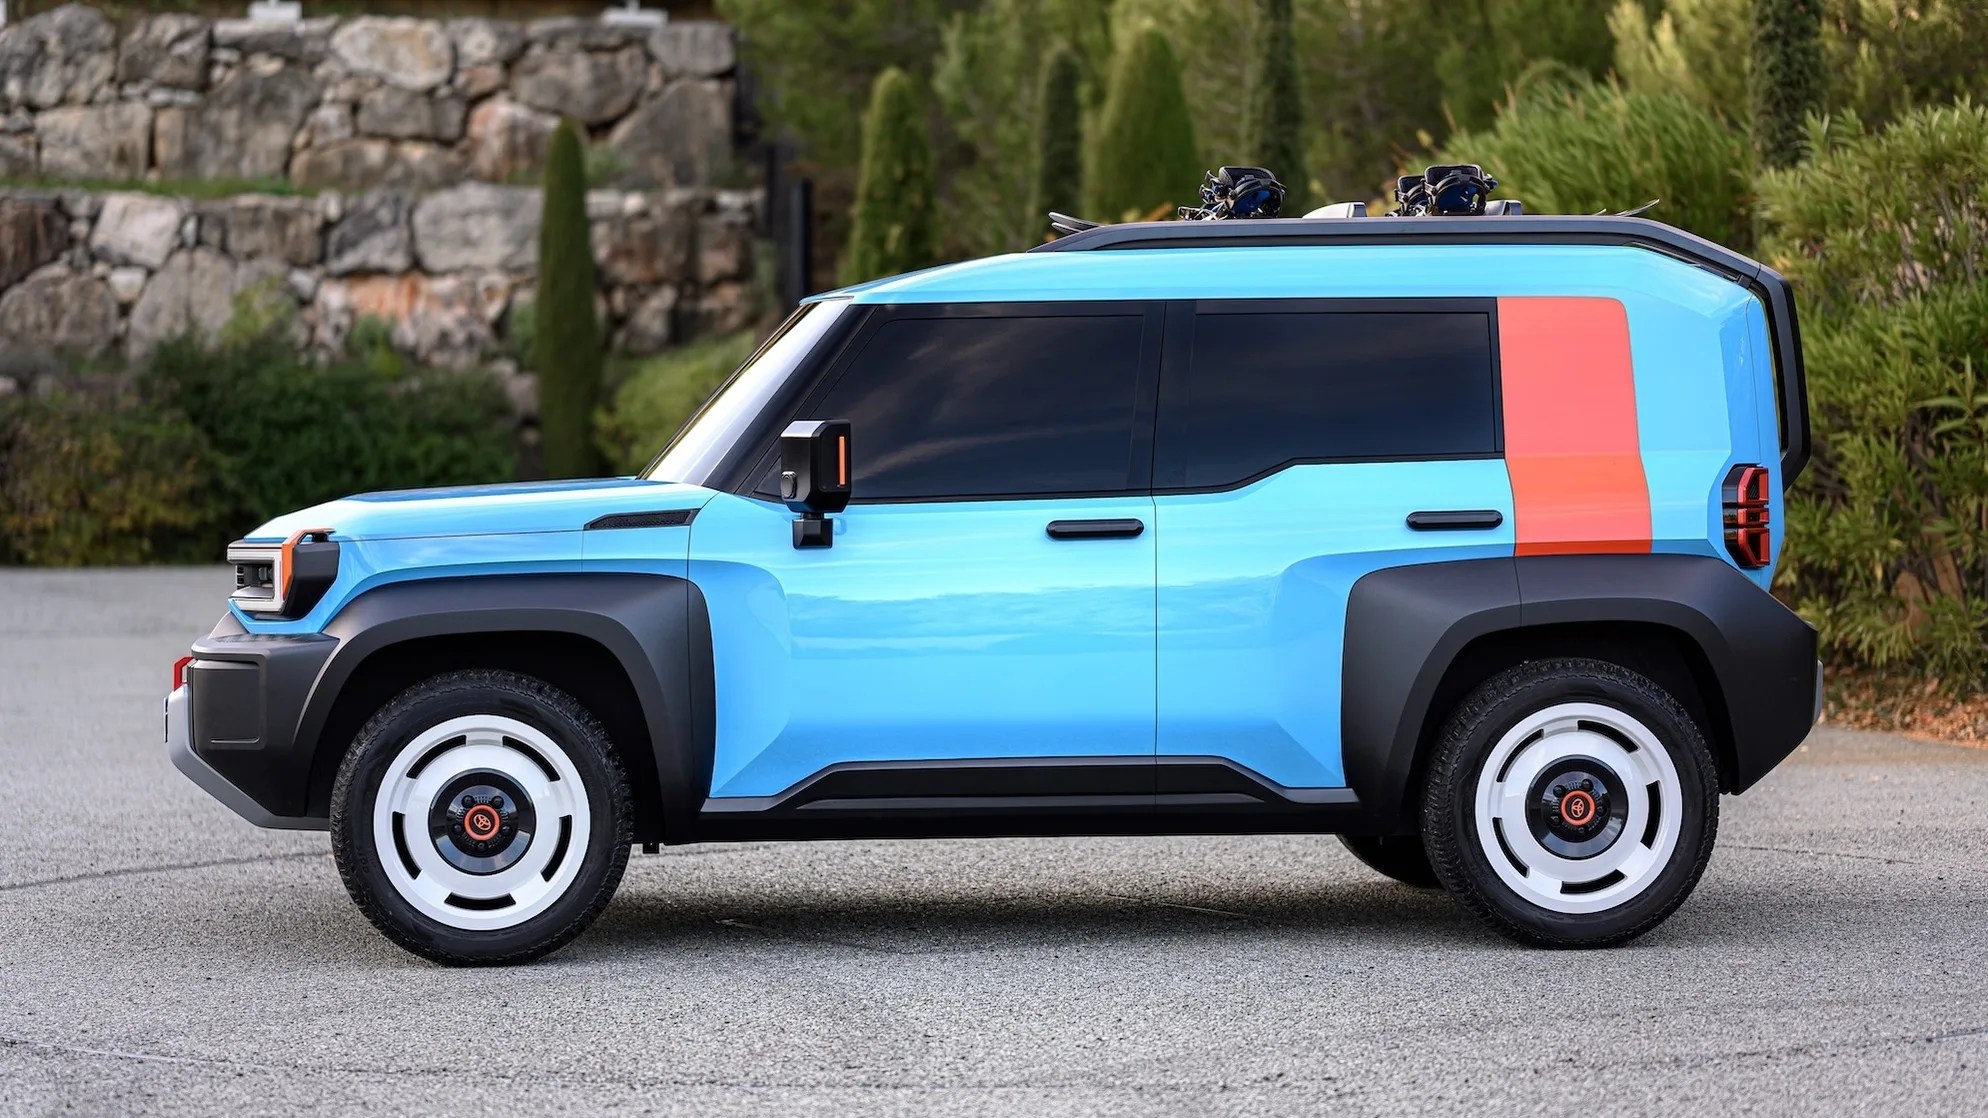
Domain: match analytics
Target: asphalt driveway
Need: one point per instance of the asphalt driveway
(157, 954)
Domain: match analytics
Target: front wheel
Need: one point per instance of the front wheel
(1571, 803)
(481, 817)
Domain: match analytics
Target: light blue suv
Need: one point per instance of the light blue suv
(1450, 536)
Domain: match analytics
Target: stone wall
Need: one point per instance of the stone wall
(86, 274)
(359, 103)
(393, 139)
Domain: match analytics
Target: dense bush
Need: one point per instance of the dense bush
(1784, 76)
(893, 228)
(1142, 158)
(661, 392)
(1604, 148)
(1885, 236)
(89, 480)
(566, 325)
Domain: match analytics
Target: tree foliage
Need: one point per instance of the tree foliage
(1603, 148)
(1059, 161)
(1276, 103)
(1694, 47)
(1886, 236)
(567, 327)
(892, 228)
(1143, 158)
(1784, 76)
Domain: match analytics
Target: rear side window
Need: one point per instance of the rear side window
(1267, 389)
(981, 406)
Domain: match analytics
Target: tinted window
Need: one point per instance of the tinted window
(1273, 388)
(955, 407)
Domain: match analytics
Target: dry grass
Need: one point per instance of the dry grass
(1860, 699)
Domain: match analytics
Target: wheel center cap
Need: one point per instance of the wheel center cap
(482, 822)
(1578, 808)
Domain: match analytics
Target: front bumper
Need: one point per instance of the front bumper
(179, 747)
(233, 726)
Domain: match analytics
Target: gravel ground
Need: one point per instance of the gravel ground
(159, 955)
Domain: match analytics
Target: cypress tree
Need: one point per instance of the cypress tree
(893, 227)
(567, 342)
(1787, 77)
(1059, 138)
(1144, 155)
(1276, 102)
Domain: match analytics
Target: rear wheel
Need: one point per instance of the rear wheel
(1571, 803)
(481, 817)
(1401, 857)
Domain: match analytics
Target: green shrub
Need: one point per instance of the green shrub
(92, 481)
(284, 432)
(661, 392)
(1784, 76)
(1602, 148)
(1694, 47)
(1276, 103)
(1059, 130)
(893, 227)
(1143, 158)
(1884, 236)
(567, 326)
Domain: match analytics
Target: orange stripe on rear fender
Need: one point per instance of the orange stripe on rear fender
(1570, 426)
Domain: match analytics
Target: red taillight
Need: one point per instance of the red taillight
(179, 671)
(1749, 526)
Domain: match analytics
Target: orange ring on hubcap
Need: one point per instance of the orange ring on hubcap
(482, 822)
(1577, 808)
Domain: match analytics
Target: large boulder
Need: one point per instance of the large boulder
(60, 310)
(593, 87)
(169, 50)
(363, 164)
(111, 141)
(243, 129)
(650, 246)
(372, 236)
(141, 229)
(306, 41)
(261, 226)
(401, 115)
(485, 42)
(506, 138)
(681, 138)
(63, 57)
(694, 48)
(477, 227)
(441, 320)
(195, 291)
(33, 232)
(414, 54)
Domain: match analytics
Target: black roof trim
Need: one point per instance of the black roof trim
(1521, 229)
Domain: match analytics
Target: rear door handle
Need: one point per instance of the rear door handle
(1120, 529)
(1454, 520)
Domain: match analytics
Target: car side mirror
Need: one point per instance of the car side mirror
(815, 476)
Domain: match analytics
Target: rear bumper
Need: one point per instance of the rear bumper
(232, 726)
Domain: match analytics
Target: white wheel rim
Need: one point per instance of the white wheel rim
(1646, 784)
(448, 754)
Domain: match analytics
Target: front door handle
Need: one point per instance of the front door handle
(1453, 520)
(1118, 529)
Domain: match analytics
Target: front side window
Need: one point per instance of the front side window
(1269, 388)
(1019, 404)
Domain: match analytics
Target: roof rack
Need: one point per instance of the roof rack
(1521, 229)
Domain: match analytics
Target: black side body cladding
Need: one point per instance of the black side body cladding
(1772, 288)
(1405, 627)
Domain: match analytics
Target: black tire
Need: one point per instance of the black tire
(1449, 809)
(1401, 857)
(490, 693)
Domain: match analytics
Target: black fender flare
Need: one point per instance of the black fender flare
(1405, 627)
(655, 626)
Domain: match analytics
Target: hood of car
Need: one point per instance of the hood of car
(544, 506)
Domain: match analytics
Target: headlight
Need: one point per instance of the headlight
(286, 579)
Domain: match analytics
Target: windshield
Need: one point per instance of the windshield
(697, 449)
